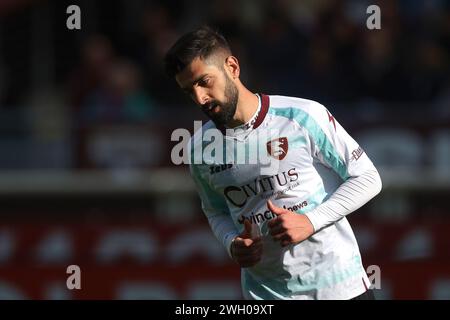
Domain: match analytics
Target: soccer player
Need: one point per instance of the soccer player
(287, 229)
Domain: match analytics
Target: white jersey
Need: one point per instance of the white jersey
(314, 156)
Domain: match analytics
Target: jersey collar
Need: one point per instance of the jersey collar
(257, 118)
(261, 115)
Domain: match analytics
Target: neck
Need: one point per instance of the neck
(246, 107)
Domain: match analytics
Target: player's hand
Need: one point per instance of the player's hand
(246, 249)
(288, 227)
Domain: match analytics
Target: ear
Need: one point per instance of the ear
(232, 65)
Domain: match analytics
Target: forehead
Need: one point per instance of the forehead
(195, 70)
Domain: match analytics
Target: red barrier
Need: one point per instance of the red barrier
(148, 261)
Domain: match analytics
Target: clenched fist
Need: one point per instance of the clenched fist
(247, 249)
(288, 227)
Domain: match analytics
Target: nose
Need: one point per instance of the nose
(200, 96)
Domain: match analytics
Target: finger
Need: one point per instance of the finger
(243, 251)
(243, 242)
(249, 262)
(256, 232)
(282, 237)
(285, 243)
(248, 252)
(247, 233)
(258, 239)
(276, 210)
(256, 249)
(248, 244)
(277, 229)
(258, 253)
(274, 222)
(248, 258)
(248, 226)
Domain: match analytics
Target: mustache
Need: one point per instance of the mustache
(208, 106)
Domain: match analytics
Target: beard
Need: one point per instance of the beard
(227, 108)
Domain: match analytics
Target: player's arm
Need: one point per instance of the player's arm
(335, 148)
(215, 209)
(244, 248)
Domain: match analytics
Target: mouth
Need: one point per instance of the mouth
(213, 108)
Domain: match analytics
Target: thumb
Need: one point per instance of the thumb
(247, 233)
(276, 210)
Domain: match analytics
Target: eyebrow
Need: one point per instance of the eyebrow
(187, 89)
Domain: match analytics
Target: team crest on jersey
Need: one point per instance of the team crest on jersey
(278, 148)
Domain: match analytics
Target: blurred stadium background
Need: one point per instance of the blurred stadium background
(86, 118)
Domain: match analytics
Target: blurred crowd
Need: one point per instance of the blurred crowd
(111, 72)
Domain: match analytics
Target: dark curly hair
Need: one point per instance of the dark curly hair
(202, 42)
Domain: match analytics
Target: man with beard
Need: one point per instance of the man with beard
(287, 229)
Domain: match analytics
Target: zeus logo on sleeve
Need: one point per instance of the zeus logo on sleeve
(219, 168)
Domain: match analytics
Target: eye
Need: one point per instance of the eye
(205, 82)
